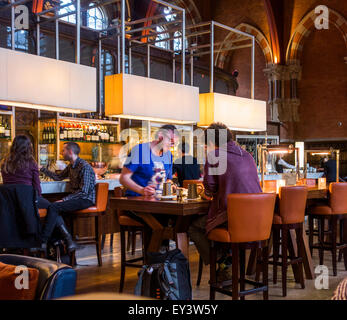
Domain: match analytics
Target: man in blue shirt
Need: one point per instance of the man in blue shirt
(147, 167)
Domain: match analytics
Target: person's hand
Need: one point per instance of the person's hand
(148, 191)
(205, 197)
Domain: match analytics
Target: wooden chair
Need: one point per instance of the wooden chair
(132, 226)
(290, 216)
(95, 212)
(249, 226)
(335, 212)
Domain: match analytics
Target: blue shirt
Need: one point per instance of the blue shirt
(143, 163)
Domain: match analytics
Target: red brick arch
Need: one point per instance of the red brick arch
(259, 37)
(305, 27)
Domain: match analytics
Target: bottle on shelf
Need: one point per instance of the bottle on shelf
(2, 128)
(111, 135)
(61, 131)
(7, 130)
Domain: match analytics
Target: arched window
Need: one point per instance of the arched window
(96, 18)
(162, 36)
(21, 42)
(70, 18)
(93, 18)
(107, 67)
(177, 43)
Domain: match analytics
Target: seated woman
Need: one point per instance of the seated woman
(20, 167)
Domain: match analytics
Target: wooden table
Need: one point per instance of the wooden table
(183, 211)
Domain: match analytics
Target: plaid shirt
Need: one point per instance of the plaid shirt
(82, 180)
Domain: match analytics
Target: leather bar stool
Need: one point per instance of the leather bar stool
(201, 263)
(290, 216)
(42, 213)
(95, 212)
(334, 212)
(249, 226)
(129, 225)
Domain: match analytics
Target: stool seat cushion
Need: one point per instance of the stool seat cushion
(127, 221)
(321, 210)
(219, 235)
(277, 219)
(42, 213)
(92, 209)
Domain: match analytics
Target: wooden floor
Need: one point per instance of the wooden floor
(91, 278)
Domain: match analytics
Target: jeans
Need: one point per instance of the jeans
(197, 233)
(54, 210)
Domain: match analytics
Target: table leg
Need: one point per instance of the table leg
(157, 231)
(182, 243)
(308, 263)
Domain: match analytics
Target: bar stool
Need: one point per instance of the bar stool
(95, 212)
(291, 216)
(334, 212)
(128, 225)
(249, 225)
(201, 263)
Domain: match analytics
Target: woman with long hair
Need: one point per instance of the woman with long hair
(20, 167)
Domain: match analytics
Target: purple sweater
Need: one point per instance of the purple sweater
(28, 176)
(240, 176)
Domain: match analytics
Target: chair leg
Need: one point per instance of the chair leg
(242, 271)
(103, 241)
(284, 260)
(310, 233)
(265, 263)
(111, 241)
(98, 238)
(333, 243)
(341, 241)
(129, 240)
(235, 271)
(321, 240)
(201, 264)
(300, 244)
(122, 261)
(133, 243)
(258, 265)
(213, 272)
(276, 248)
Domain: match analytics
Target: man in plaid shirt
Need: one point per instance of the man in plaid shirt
(82, 196)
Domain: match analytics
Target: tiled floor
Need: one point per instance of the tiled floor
(92, 278)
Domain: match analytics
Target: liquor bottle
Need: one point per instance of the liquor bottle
(7, 130)
(44, 134)
(81, 132)
(106, 134)
(61, 131)
(2, 128)
(111, 135)
(69, 132)
(89, 136)
(64, 131)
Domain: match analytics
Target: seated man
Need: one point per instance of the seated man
(82, 188)
(147, 167)
(186, 167)
(237, 173)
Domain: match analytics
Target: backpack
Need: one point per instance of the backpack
(165, 277)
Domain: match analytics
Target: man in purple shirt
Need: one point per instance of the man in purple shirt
(228, 169)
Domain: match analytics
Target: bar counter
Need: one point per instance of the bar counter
(54, 187)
